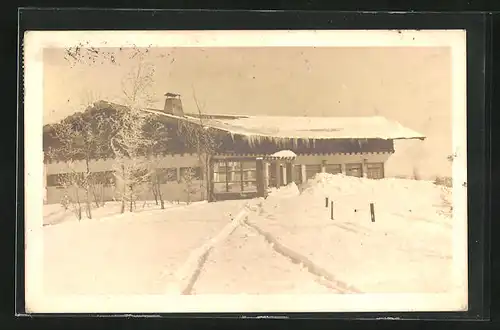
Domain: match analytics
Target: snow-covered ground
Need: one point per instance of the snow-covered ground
(54, 213)
(408, 249)
(131, 253)
(247, 264)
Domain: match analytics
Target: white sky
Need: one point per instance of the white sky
(410, 85)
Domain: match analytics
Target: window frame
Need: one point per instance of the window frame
(223, 167)
(105, 178)
(308, 171)
(198, 176)
(380, 166)
(351, 165)
(162, 173)
(81, 176)
(339, 166)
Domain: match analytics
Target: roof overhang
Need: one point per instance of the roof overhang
(402, 133)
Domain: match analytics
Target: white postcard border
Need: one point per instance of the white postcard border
(37, 302)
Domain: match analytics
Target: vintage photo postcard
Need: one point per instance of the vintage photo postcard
(245, 171)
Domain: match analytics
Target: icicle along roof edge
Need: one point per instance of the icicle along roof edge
(356, 128)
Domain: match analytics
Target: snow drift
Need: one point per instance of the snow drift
(407, 249)
(414, 198)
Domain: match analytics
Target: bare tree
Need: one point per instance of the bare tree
(78, 139)
(90, 145)
(158, 135)
(156, 187)
(158, 177)
(188, 178)
(128, 142)
(203, 139)
(71, 183)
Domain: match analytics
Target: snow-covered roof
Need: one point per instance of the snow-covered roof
(317, 127)
(375, 127)
(283, 155)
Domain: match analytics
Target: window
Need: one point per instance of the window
(164, 175)
(312, 170)
(64, 179)
(235, 176)
(375, 170)
(103, 177)
(141, 175)
(193, 172)
(220, 187)
(248, 171)
(333, 168)
(354, 170)
(221, 172)
(53, 180)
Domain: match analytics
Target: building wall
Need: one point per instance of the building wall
(175, 190)
(171, 191)
(322, 161)
(166, 161)
(342, 158)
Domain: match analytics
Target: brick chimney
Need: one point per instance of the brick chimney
(173, 105)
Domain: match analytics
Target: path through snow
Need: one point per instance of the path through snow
(247, 264)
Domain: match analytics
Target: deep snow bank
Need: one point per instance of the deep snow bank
(414, 198)
(283, 192)
(407, 249)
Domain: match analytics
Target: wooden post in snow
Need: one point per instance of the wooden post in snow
(331, 210)
(372, 212)
(326, 201)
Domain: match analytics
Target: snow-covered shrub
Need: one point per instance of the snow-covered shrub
(71, 183)
(188, 178)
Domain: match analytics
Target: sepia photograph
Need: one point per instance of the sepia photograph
(245, 171)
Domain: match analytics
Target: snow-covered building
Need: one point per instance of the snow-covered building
(252, 153)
